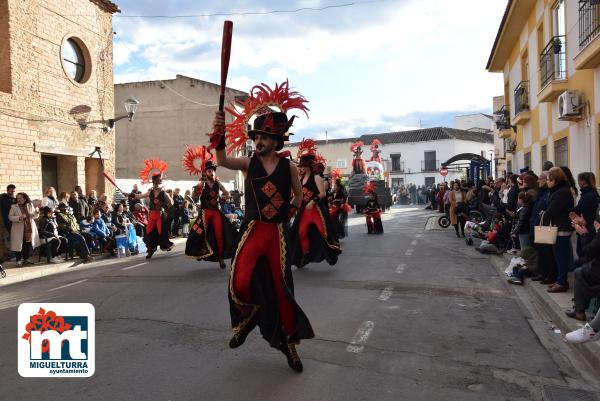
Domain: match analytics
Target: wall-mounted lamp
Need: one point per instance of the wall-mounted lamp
(131, 106)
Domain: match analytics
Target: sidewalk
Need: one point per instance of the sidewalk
(554, 306)
(16, 274)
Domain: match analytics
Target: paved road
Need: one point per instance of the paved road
(411, 315)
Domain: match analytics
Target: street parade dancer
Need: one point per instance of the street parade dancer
(358, 164)
(212, 235)
(376, 151)
(372, 210)
(157, 232)
(339, 207)
(312, 235)
(261, 289)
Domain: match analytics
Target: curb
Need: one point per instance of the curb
(17, 275)
(590, 352)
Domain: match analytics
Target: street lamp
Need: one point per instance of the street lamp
(131, 106)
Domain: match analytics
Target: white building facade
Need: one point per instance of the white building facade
(415, 157)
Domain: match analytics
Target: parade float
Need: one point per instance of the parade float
(363, 172)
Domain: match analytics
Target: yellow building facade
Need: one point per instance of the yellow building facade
(549, 54)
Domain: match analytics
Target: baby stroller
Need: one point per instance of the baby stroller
(480, 223)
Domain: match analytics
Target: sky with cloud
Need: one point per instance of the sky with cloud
(376, 66)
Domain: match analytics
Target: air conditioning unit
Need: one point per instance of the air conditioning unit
(569, 105)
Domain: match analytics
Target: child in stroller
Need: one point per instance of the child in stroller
(480, 223)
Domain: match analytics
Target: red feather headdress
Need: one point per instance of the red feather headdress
(307, 147)
(369, 188)
(321, 160)
(152, 167)
(336, 174)
(376, 145)
(261, 98)
(195, 158)
(356, 145)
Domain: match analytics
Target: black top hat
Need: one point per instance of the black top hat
(307, 161)
(209, 165)
(274, 124)
(156, 176)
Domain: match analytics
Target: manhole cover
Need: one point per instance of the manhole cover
(556, 393)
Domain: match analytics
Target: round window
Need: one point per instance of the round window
(73, 60)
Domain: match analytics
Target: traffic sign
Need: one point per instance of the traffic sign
(444, 172)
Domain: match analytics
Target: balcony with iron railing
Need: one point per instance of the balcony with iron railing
(502, 119)
(589, 32)
(397, 166)
(510, 146)
(522, 113)
(553, 69)
(428, 166)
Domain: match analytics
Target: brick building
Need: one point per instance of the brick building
(56, 94)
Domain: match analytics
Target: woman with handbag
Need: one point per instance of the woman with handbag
(24, 236)
(457, 198)
(560, 204)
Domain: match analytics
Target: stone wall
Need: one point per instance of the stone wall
(41, 108)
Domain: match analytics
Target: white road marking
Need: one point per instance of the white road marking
(68, 285)
(400, 268)
(386, 294)
(419, 235)
(409, 252)
(414, 243)
(360, 338)
(134, 266)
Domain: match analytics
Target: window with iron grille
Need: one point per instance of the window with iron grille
(396, 163)
(527, 160)
(561, 152)
(544, 154)
(509, 166)
(342, 163)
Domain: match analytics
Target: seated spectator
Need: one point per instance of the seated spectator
(140, 228)
(63, 198)
(85, 227)
(81, 209)
(102, 232)
(50, 199)
(141, 214)
(48, 230)
(92, 200)
(69, 228)
(23, 234)
(589, 332)
(587, 272)
(119, 220)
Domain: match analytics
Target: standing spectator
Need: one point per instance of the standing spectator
(546, 265)
(24, 234)
(513, 192)
(587, 205)
(170, 214)
(69, 228)
(185, 218)
(177, 211)
(50, 199)
(6, 201)
(457, 198)
(49, 231)
(131, 199)
(560, 204)
(92, 200)
(522, 228)
(440, 197)
(571, 182)
(81, 209)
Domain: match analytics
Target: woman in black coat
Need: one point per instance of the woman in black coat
(587, 205)
(560, 204)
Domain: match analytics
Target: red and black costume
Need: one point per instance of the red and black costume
(261, 288)
(313, 236)
(376, 151)
(372, 211)
(212, 235)
(157, 230)
(339, 208)
(358, 164)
